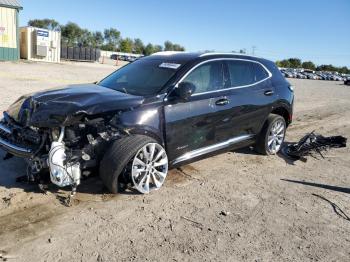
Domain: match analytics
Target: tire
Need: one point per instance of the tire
(116, 159)
(138, 159)
(262, 145)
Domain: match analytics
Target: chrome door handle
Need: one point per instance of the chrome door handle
(222, 102)
(268, 93)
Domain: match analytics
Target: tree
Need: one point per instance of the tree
(98, 39)
(168, 46)
(308, 65)
(49, 24)
(149, 49)
(71, 33)
(112, 38)
(294, 62)
(344, 70)
(177, 47)
(126, 45)
(138, 46)
(86, 38)
(283, 63)
(157, 48)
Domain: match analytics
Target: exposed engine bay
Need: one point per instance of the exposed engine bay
(63, 153)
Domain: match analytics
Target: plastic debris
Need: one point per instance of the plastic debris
(312, 144)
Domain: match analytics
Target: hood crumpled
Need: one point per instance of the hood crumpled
(65, 106)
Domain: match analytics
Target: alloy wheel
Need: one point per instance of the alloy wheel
(276, 136)
(149, 168)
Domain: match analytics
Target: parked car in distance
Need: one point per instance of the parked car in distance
(159, 112)
(347, 81)
(114, 57)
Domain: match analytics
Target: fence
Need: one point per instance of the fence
(80, 53)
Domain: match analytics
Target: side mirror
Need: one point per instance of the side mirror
(184, 90)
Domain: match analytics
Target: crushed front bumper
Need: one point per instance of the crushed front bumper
(9, 143)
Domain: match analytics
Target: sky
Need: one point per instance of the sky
(316, 30)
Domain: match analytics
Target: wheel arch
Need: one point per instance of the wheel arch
(282, 110)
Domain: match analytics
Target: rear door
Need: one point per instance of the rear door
(251, 95)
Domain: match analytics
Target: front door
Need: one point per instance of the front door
(193, 124)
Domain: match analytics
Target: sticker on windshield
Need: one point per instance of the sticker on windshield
(170, 65)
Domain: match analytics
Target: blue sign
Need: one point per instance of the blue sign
(42, 33)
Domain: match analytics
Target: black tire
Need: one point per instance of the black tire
(261, 145)
(116, 159)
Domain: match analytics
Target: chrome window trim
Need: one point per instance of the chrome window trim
(228, 88)
(211, 148)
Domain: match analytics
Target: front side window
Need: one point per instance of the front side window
(244, 73)
(142, 77)
(207, 77)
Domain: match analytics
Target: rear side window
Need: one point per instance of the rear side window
(207, 77)
(244, 73)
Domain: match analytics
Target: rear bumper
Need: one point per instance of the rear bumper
(9, 146)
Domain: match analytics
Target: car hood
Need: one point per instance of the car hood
(67, 105)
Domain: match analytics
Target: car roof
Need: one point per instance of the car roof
(184, 57)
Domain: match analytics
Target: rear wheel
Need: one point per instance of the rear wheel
(272, 135)
(138, 159)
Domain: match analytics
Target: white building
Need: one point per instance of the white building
(39, 44)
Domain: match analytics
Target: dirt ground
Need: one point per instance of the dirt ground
(237, 206)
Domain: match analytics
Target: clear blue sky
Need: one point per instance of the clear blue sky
(311, 30)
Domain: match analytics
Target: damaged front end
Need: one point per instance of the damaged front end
(66, 152)
(64, 131)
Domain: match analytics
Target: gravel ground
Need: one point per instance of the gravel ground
(237, 206)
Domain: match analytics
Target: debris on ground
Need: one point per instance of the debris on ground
(312, 144)
(224, 213)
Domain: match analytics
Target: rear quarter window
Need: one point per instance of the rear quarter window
(241, 73)
(260, 73)
(244, 73)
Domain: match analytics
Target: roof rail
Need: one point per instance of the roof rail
(225, 53)
(168, 53)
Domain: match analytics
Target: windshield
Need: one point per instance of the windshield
(142, 77)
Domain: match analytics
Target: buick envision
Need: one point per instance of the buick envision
(159, 112)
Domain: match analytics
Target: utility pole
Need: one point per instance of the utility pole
(253, 49)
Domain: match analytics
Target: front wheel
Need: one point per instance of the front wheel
(271, 136)
(138, 159)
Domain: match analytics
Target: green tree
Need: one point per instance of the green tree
(168, 46)
(344, 70)
(157, 48)
(98, 39)
(49, 24)
(149, 49)
(126, 45)
(71, 33)
(326, 68)
(177, 47)
(138, 46)
(86, 38)
(283, 63)
(294, 62)
(308, 65)
(112, 38)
